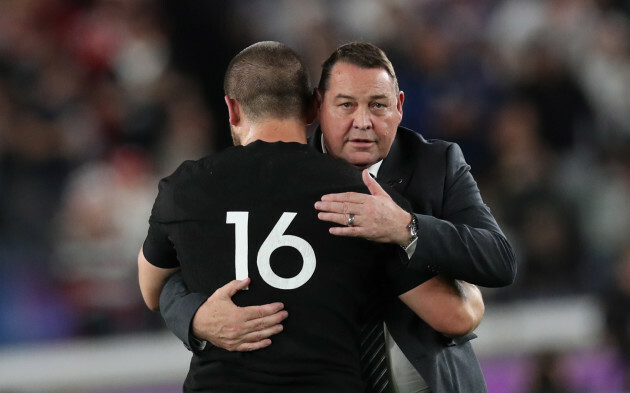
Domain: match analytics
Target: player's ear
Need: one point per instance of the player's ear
(234, 110)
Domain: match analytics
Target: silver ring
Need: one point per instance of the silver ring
(350, 219)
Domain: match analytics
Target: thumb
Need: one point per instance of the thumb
(230, 289)
(372, 184)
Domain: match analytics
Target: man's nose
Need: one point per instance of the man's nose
(362, 119)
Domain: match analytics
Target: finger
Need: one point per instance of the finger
(263, 334)
(259, 324)
(336, 218)
(372, 184)
(350, 197)
(231, 288)
(337, 207)
(256, 312)
(346, 231)
(248, 347)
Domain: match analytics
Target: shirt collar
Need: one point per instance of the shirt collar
(372, 169)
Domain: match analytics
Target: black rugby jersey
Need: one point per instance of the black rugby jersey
(249, 212)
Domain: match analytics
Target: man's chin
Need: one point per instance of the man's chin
(362, 162)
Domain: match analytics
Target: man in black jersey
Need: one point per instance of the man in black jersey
(248, 213)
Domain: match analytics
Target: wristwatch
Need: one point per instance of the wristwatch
(413, 231)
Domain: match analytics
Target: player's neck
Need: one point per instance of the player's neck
(276, 130)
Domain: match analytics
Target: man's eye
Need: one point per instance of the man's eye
(378, 105)
(346, 105)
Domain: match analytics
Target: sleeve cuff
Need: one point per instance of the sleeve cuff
(411, 248)
(407, 278)
(178, 307)
(197, 345)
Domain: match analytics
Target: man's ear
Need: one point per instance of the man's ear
(400, 101)
(319, 98)
(234, 110)
(319, 101)
(312, 108)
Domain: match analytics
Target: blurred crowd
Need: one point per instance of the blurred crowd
(101, 98)
(92, 114)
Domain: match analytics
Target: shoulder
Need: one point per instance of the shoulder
(421, 164)
(412, 141)
(330, 171)
(185, 171)
(191, 170)
(412, 149)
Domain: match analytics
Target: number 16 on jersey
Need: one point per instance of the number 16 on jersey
(274, 240)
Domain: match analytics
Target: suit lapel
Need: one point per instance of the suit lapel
(397, 167)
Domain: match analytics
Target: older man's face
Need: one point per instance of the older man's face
(359, 114)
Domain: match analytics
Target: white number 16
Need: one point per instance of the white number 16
(274, 240)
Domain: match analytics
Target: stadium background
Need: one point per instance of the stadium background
(100, 98)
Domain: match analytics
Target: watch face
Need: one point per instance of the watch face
(413, 227)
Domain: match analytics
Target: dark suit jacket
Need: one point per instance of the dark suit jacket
(457, 237)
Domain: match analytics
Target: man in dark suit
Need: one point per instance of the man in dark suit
(451, 232)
